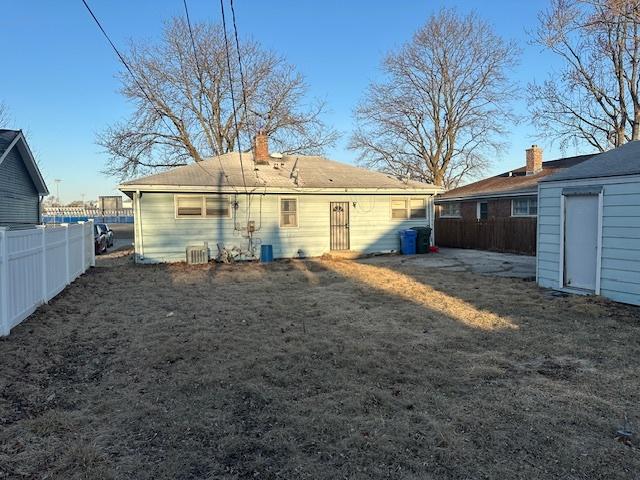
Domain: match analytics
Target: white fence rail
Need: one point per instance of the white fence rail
(37, 264)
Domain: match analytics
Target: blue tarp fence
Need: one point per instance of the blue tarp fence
(96, 219)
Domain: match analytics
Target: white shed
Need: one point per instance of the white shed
(589, 227)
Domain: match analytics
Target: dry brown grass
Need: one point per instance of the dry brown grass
(317, 369)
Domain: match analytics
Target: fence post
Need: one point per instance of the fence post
(43, 244)
(67, 256)
(4, 283)
(93, 249)
(84, 246)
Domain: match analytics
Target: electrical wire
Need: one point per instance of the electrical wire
(124, 62)
(195, 58)
(233, 100)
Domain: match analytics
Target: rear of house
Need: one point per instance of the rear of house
(302, 206)
(21, 184)
(497, 213)
(589, 227)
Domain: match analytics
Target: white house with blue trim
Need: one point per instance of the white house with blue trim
(302, 205)
(589, 227)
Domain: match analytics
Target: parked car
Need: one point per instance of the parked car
(108, 232)
(100, 240)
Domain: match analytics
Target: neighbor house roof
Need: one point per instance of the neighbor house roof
(513, 182)
(624, 160)
(294, 172)
(10, 139)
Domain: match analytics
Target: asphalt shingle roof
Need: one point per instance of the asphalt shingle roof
(6, 137)
(312, 172)
(624, 160)
(514, 181)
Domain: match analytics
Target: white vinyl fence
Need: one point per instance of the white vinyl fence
(38, 263)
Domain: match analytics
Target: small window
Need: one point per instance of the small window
(202, 206)
(217, 206)
(524, 207)
(418, 208)
(189, 206)
(451, 209)
(289, 212)
(408, 208)
(399, 208)
(483, 210)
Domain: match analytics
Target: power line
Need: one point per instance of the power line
(242, 82)
(195, 58)
(124, 62)
(233, 101)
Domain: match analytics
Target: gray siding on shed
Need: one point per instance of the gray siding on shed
(620, 271)
(19, 200)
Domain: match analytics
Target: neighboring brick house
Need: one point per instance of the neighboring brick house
(510, 195)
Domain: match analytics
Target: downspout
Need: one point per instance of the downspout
(138, 240)
(40, 200)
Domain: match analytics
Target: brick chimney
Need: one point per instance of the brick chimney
(534, 159)
(261, 148)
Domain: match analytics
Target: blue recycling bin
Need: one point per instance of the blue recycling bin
(408, 242)
(266, 253)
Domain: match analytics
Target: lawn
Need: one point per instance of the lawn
(319, 369)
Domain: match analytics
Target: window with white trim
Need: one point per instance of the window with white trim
(450, 209)
(399, 208)
(482, 212)
(202, 206)
(288, 212)
(524, 207)
(409, 208)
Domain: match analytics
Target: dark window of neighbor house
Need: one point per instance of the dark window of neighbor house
(483, 210)
(289, 212)
(524, 207)
(451, 209)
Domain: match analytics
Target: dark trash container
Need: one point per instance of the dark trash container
(266, 253)
(423, 240)
(408, 242)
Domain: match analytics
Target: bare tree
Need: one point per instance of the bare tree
(188, 114)
(443, 104)
(595, 97)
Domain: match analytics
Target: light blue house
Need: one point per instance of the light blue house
(589, 227)
(301, 205)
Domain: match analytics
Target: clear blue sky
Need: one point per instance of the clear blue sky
(59, 73)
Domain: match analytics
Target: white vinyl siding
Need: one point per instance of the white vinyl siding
(620, 269)
(161, 237)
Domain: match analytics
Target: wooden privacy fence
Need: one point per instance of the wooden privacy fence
(512, 235)
(38, 263)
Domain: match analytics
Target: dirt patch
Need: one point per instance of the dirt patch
(317, 369)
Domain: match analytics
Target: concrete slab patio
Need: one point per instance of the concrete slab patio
(473, 261)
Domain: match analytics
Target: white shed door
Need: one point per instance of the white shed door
(580, 241)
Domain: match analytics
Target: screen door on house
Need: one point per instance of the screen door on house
(580, 241)
(339, 235)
